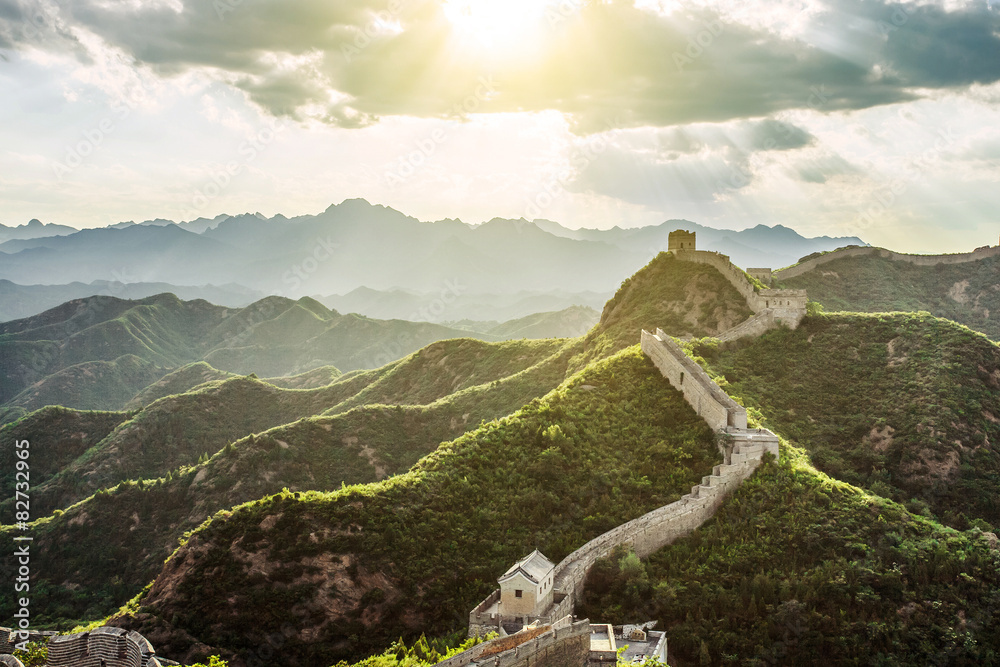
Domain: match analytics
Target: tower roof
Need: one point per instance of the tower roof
(535, 567)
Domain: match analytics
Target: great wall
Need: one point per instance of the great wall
(743, 451)
(553, 636)
(101, 647)
(866, 251)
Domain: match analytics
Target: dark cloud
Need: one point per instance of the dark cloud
(693, 164)
(613, 65)
(776, 135)
(822, 168)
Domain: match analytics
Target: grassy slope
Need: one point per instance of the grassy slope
(351, 570)
(177, 430)
(449, 366)
(108, 385)
(799, 569)
(57, 436)
(681, 298)
(140, 525)
(137, 526)
(966, 293)
(905, 404)
(427, 376)
(318, 377)
(182, 380)
(570, 322)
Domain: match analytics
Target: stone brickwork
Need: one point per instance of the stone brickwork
(651, 532)
(708, 399)
(757, 325)
(658, 528)
(565, 644)
(9, 638)
(763, 275)
(857, 251)
(788, 306)
(102, 647)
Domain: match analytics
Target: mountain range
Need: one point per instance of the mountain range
(332, 516)
(357, 246)
(99, 352)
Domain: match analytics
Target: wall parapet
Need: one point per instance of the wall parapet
(789, 306)
(563, 630)
(797, 270)
(706, 397)
(755, 326)
(108, 646)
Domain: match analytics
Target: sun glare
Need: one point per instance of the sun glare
(505, 27)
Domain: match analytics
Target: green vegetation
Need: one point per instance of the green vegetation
(682, 298)
(966, 293)
(213, 661)
(451, 366)
(57, 436)
(576, 320)
(37, 655)
(180, 381)
(369, 563)
(906, 405)
(91, 385)
(797, 568)
(98, 353)
(328, 510)
(423, 652)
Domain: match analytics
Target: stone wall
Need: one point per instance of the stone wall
(789, 306)
(115, 646)
(755, 326)
(763, 275)
(919, 260)
(655, 530)
(10, 661)
(566, 644)
(707, 398)
(9, 638)
(481, 621)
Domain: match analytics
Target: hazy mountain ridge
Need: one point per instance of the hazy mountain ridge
(357, 245)
(455, 538)
(98, 353)
(967, 293)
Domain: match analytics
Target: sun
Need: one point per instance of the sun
(505, 27)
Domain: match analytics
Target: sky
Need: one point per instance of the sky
(834, 117)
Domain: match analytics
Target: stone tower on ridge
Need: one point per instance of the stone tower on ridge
(680, 240)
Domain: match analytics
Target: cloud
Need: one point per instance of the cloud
(697, 163)
(612, 63)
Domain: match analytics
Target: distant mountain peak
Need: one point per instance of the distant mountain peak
(35, 222)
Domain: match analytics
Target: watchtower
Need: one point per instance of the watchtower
(680, 240)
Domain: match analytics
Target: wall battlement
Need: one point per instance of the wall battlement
(102, 647)
(565, 643)
(706, 397)
(788, 306)
(654, 530)
(858, 251)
